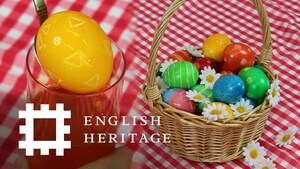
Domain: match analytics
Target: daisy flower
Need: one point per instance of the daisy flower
(193, 50)
(253, 153)
(162, 86)
(196, 96)
(241, 106)
(209, 76)
(215, 111)
(286, 137)
(265, 163)
(166, 64)
(274, 93)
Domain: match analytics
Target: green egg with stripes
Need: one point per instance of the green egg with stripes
(205, 91)
(181, 74)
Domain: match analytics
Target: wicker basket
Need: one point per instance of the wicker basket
(193, 136)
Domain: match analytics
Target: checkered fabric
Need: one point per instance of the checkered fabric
(194, 21)
(191, 25)
(18, 25)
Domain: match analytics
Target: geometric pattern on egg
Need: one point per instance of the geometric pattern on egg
(75, 51)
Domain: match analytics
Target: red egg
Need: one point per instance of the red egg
(200, 63)
(237, 56)
(181, 55)
(181, 102)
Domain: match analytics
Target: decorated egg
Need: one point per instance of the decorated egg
(181, 55)
(181, 74)
(74, 51)
(199, 108)
(227, 108)
(237, 56)
(207, 92)
(181, 102)
(256, 82)
(250, 100)
(167, 95)
(200, 63)
(229, 89)
(214, 46)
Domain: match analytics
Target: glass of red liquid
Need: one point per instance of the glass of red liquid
(105, 102)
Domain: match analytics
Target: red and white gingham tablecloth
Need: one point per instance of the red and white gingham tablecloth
(131, 23)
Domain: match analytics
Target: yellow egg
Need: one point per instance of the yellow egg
(74, 51)
(214, 46)
(228, 109)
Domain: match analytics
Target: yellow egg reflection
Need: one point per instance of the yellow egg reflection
(74, 51)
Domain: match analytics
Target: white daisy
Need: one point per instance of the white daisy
(215, 111)
(274, 93)
(286, 137)
(265, 163)
(209, 76)
(196, 96)
(253, 153)
(241, 106)
(162, 86)
(193, 50)
(166, 64)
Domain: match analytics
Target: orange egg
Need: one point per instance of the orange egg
(214, 46)
(74, 51)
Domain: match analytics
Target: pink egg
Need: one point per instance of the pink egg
(181, 102)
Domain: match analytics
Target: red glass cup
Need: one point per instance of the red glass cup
(103, 103)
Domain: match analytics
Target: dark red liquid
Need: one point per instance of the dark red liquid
(80, 153)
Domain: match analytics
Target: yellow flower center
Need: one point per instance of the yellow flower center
(253, 154)
(210, 78)
(158, 86)
(198, 97)
(216, 112)
(274, 93)
(265, 167)
(241, 109)
(286, 138)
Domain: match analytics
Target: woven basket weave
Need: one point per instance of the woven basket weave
(193, 136)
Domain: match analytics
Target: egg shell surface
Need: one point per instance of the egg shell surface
(229, 89)
(181, 74)
(256, 82)
(74, 51)
(181, 102)
(167, 95)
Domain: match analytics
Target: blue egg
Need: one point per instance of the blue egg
(229, 89)
(167, 95)
(250, 100)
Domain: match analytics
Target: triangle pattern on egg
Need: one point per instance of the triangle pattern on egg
(77, 59)
(41, 43)
(74, 60)
(46, 29)
(75, 22)
(94, 81)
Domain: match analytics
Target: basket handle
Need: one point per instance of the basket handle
(265, 55)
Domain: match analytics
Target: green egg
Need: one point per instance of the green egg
(256, 82)
(181, 74)
(207, 92)
(199, 108)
